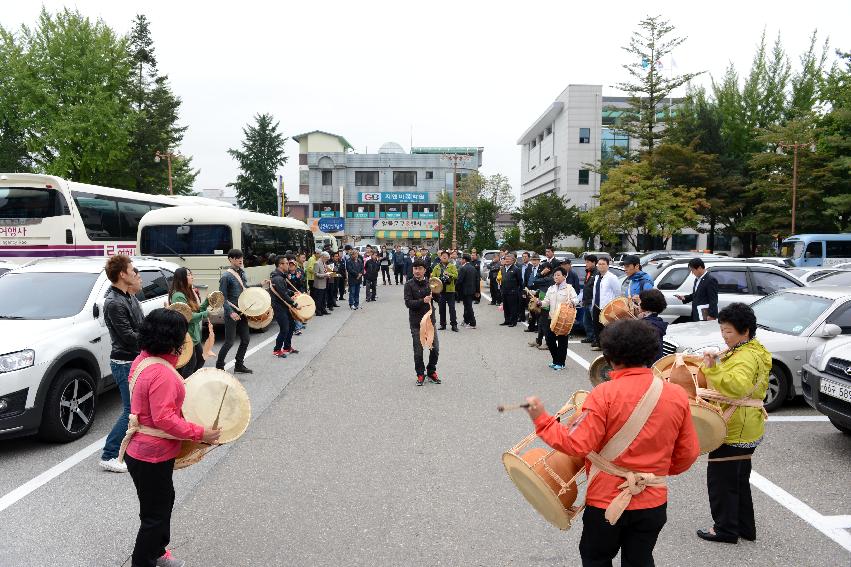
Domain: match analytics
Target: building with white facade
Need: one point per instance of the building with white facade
(388, 197)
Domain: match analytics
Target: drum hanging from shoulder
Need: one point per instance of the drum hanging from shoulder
(547, 478)
(260, 321)
(183, 309)
(185, 351)
(254, 301)
(599, 370)
(307, 305)
(681, 369)
(617, 309)
(709, 424)
(562, 322)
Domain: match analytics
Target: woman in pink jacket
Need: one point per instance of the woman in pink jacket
(156, 401)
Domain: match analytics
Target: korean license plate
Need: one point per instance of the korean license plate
(835, 389)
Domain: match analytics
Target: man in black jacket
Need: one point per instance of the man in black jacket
(281, 302)
(704, 295)
(466, 286)
(493, 271)
(371, 269)
(418, 300)
(477, 264)
(354, 269)
(398, 265)
(344, 272)
(509, 289)
(235, 324)
(588, 297)
(123, 317)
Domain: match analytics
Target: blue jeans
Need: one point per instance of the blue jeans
(121, 375)
(354, 294)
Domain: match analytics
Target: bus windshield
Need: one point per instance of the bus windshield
(792, 249)
(31, 203)
(189, 240)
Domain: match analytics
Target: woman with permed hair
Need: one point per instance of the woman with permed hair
(740, 373)
(156, 430)
(626, 500)
(182, 291)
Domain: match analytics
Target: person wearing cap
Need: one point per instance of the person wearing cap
(418, 300)
(636, 280)
(447, 273)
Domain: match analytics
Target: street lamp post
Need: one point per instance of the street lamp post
(794, 146)
(168, 155)
(454, 158)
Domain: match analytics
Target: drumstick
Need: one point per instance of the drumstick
(219, 413)
(502, 409)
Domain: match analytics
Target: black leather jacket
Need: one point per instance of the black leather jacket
(415, 292)
(123, 316)
(282, 288)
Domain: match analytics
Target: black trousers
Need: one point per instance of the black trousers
(318, 296)
(196, 362)
(385, 275)
(155, 490)
(509, 307)
(634, 534)
(447, 298)
(419, 366)
(399, 274)
(341, 288)
(598, 327)
(496, 297)
(286, 327)
(543, 327)
(558, 347)
(533, 321)
(729, 488)
(232, 329)
(331, 295)
(371, 289)
(522, 303)
(469, 314)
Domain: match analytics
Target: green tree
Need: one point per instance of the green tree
(484, 219)
(834, 145)
(497, 189)
(14, 156)
(261, 155)
(511, 237)
(464, 218)
(546, 218)
(648, 87)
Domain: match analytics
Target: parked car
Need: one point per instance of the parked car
(792, 324)
(6, 266)
(774, 261)
(838, 277)
(598, 255)
(738, 280)
(807, 275)
(54, 358)
(563, 254)
(826, 382)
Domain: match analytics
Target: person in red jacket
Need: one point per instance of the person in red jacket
(625, 505)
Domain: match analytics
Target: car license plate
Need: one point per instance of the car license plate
(835, 389)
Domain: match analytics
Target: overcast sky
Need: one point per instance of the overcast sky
(456, 73)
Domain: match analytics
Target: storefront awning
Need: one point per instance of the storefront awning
(393, 234)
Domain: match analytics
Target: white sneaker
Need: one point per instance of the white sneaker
(112, 465)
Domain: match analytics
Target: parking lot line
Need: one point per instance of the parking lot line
(798, 418)
(839, 522)
(30, 486)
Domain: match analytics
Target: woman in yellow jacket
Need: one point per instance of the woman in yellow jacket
(740, 373)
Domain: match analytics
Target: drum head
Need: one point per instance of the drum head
(262, 321)
(709, 424)
(536, 491)
(426, 331)
(183, 309)
(215, 300)
(435, 284)
(207, 390)
(599, 370)
(308, 307)
(185, 352)
(615, 310)
(254, 301)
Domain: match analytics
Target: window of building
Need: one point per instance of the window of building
(458, 177)
(429, 175)
(684, 241)
(426, 211)
(585, 135)
(326, 177)
(404, 179)
(322, 210)
(584, 176)
(357, 211)
(393, 211)
(366, 178)
(549, 130)
(533, 144)
(613, 144)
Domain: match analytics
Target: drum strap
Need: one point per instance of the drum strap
(635, 482)
(733, 403)
(734, 458)
(133, 425)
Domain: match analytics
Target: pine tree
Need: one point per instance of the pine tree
(261, 155)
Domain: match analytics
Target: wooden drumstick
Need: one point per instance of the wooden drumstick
(502, 409)
(219, 413)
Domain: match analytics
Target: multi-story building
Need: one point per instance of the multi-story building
(389, 197)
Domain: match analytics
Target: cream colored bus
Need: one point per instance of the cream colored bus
(199, 238)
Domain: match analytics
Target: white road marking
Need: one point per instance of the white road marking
(578, 359)
(28, 487)
(803, 511)
(798, 418)
(839, 522)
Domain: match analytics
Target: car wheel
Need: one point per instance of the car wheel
(69, 409)
(843, 428)
(778, 388)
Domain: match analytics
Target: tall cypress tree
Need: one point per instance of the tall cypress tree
(261, 155)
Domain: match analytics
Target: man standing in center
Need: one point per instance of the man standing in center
(418, 301)
(231, 284)
(354, 267)
(467, 285)
(448, 274)
(320, 284)
(510, 290)
(371, 269)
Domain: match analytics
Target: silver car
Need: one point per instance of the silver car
(738, 281)
(792, 324)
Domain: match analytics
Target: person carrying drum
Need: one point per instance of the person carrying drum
(281, 302)
(232, 283)
(182, 291)
(626, 500)
(418, 301)
(558, 293)
(636, 280)
(447, 273)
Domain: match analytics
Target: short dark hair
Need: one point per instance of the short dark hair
(652, 300)
(442, 252)
(631, 260)
(630, 342)
(234, 253)
(467, 258)
(565, 261)
(604, 259)
(347, 247)
(162, 332)
(550, 248)
(591, 258)
(740, 316)
(562, 270)
(696, 263)
(419, 262)
(282, 259)
(116, 265)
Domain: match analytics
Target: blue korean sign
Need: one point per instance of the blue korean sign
(333, 224)
(394, 197)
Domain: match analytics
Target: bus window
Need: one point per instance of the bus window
(259, 242)
(31, 203)
(100, 216)
(839, 248)
(792, 249)
(200, 239)
(130, 213)
(814, 250)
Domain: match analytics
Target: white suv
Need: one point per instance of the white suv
(54, 357)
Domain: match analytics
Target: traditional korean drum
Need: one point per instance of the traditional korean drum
(617, 309)
(261, 321)
(562, 322)
(185, 352)
(427, 331)
(254, 301)
(308, 308)
(599, 370)
(183, 309)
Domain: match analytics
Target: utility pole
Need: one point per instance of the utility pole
(455, 158)
(168, 155)
(794, 146)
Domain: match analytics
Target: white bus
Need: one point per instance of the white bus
(199, 238)
(47, 216)
(321, 239)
